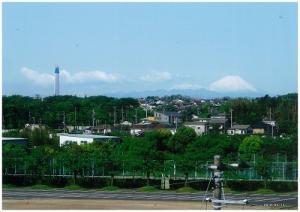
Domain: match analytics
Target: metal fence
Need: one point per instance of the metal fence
(279, 171)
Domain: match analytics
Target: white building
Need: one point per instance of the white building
(199, 127)
(239, 130)
(65, 138)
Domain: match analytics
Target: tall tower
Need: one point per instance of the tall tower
(56, 72)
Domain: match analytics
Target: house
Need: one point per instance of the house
(14, 141)
(139, 128)
(239, 129)
(100, 129)
(168, 117)
(71, 128)
(126, 123)
(35, 126)
(199, 127)
(264, 128)
(218, 123)
(65, 138)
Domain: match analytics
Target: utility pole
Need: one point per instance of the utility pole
(270, 118)
(75, 119)
(231, 118)
(115, 115)
(122, 114)
(146, 113)
(29, 117)
(93, 117)
(136, 115)
(64, 121)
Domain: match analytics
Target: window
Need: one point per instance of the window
(83, 142)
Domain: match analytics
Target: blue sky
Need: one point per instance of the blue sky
(111, 47)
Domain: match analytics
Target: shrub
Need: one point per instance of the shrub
(40, 186)
(109, 188)
(72, 187)
(282, 186)
(148, 189)
(186, 189)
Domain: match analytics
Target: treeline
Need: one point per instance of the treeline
(283, 109)
(53, 110)
(150, 154)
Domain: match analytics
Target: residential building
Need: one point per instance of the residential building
(239, 129)
(199, 127)
(65, 138)
(218, 123)
(168, 117)
(264, 128)
(99, 129)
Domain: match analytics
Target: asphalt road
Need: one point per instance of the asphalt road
(285, 200)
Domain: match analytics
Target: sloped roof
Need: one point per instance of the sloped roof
(240, 127)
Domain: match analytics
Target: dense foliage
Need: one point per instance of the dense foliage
(19, 110)
(147, 156)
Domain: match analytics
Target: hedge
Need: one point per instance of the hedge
(89, 182)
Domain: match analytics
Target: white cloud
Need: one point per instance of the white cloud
(38, 78)
(231, 83)
(88, 76)
(156, 77)
(183, 86)
(45, 79)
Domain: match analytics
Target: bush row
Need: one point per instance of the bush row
(89, 182)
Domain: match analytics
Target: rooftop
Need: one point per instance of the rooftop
(240, 126)
(10, 138)
(86, 135)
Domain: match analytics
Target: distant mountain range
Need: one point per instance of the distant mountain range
(196, 93)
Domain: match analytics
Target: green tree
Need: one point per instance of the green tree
(181, 139)
(72, 159)
(39, 161)
(250, 145)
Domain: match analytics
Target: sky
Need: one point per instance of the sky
(103, 48)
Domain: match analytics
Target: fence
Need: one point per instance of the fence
(279, 171)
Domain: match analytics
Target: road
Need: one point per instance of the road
(286, 200)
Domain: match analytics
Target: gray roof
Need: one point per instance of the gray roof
(12, 139)
(240, 127)
(217, 120)
(171, 113)
(195, 123)
(86, 135)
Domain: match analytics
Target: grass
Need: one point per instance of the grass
(186, 190)
(40, 186)
(148, 189)
(109, 188)
(9, 186)
(72, 187)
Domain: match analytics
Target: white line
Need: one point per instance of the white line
(265, 199)
(280, 200)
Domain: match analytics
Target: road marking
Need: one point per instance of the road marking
(266, 199)
(280, 200)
